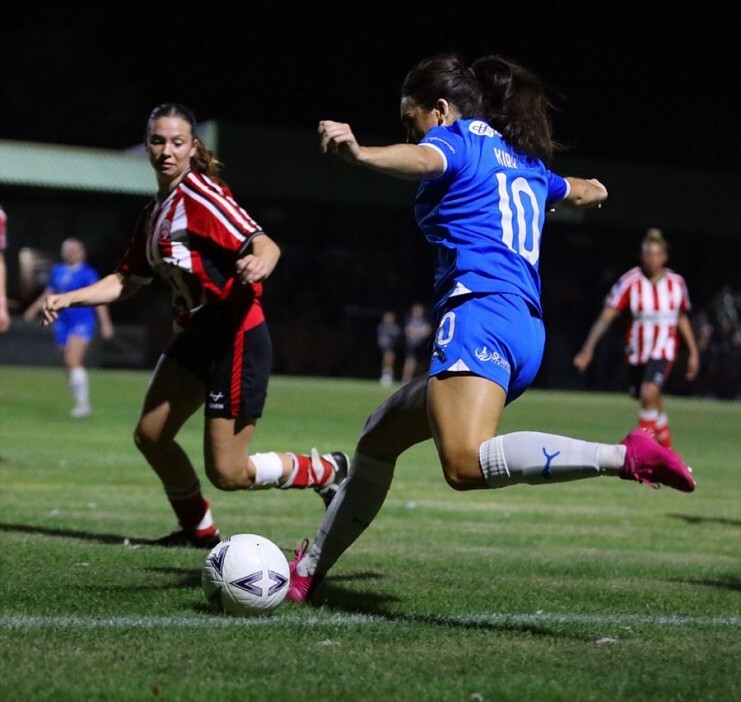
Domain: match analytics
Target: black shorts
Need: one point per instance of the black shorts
(419, 352)
(655, 371)
(231, 358)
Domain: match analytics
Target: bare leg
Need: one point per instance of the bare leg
(173, 396)
(464, 412)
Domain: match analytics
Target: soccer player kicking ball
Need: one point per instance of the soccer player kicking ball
(482, 137)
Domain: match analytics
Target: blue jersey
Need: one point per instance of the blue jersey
(484, 215)
(65, 278)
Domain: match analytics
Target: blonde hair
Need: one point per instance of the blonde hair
(654, 235)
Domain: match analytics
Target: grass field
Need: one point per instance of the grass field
(594, 590)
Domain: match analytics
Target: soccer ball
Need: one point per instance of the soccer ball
(245, 574)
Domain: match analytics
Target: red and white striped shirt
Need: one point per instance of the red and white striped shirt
(192, 239)
(655, 308)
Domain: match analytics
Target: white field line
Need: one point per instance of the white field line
(333, 620)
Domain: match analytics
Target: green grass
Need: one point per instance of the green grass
(593, 590)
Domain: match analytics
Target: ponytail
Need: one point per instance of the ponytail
(204, 161)
(516, 104)
(509, 97)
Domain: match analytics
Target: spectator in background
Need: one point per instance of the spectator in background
(657, 299)
(417, 331)
(388, 334)
(726, 343)
(4, 315)
(75, 326)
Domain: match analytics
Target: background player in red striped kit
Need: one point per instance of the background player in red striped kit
(195, 236)
(657, 300)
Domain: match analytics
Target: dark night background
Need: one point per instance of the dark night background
(644, 82)
(649, 84)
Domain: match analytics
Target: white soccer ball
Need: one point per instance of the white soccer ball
(245, 574)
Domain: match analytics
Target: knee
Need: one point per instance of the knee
(144, 439)
(461, 468)
(224, 476)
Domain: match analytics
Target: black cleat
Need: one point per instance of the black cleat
(187, 539)
(341, 462)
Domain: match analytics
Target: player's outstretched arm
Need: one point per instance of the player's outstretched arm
(406, 161)
(600, 326)
(684, 326)
(584, 193)
(106, 290)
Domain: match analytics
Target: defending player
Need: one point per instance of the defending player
(657, 300)
(483, 135)
(197, 238)
(75, 327)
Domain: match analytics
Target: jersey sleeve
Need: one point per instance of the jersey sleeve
(619, 296)
(53, 282)
(91, 276)
(134, 263)
(214, 214)
(450, 145)
(558, 188)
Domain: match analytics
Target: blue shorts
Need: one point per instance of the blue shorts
(495, 336)
(63, 330)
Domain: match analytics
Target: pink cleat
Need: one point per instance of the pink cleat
(299, 585)
(647, 462)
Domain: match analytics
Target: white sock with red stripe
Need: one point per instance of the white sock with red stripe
(647, 420)
(309, 471)
(663, 435)
(268, 470)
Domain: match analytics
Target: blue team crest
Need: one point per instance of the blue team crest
(481, 128)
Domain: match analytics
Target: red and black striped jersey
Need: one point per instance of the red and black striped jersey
(655, 309)
(192, 239)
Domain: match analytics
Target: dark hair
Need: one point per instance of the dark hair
(508, 96)
(204, 161)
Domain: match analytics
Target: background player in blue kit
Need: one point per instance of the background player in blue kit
(75, 327)
(483, 136)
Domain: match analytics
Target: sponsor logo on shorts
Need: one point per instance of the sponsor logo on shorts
(215, 400)
(483, 354)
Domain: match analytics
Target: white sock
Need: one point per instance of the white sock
(536, 458)
(351, 511)
(268, 469)
(79, 387)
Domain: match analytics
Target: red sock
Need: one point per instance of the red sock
(193, 511)
(309, 471)
(663, 435)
